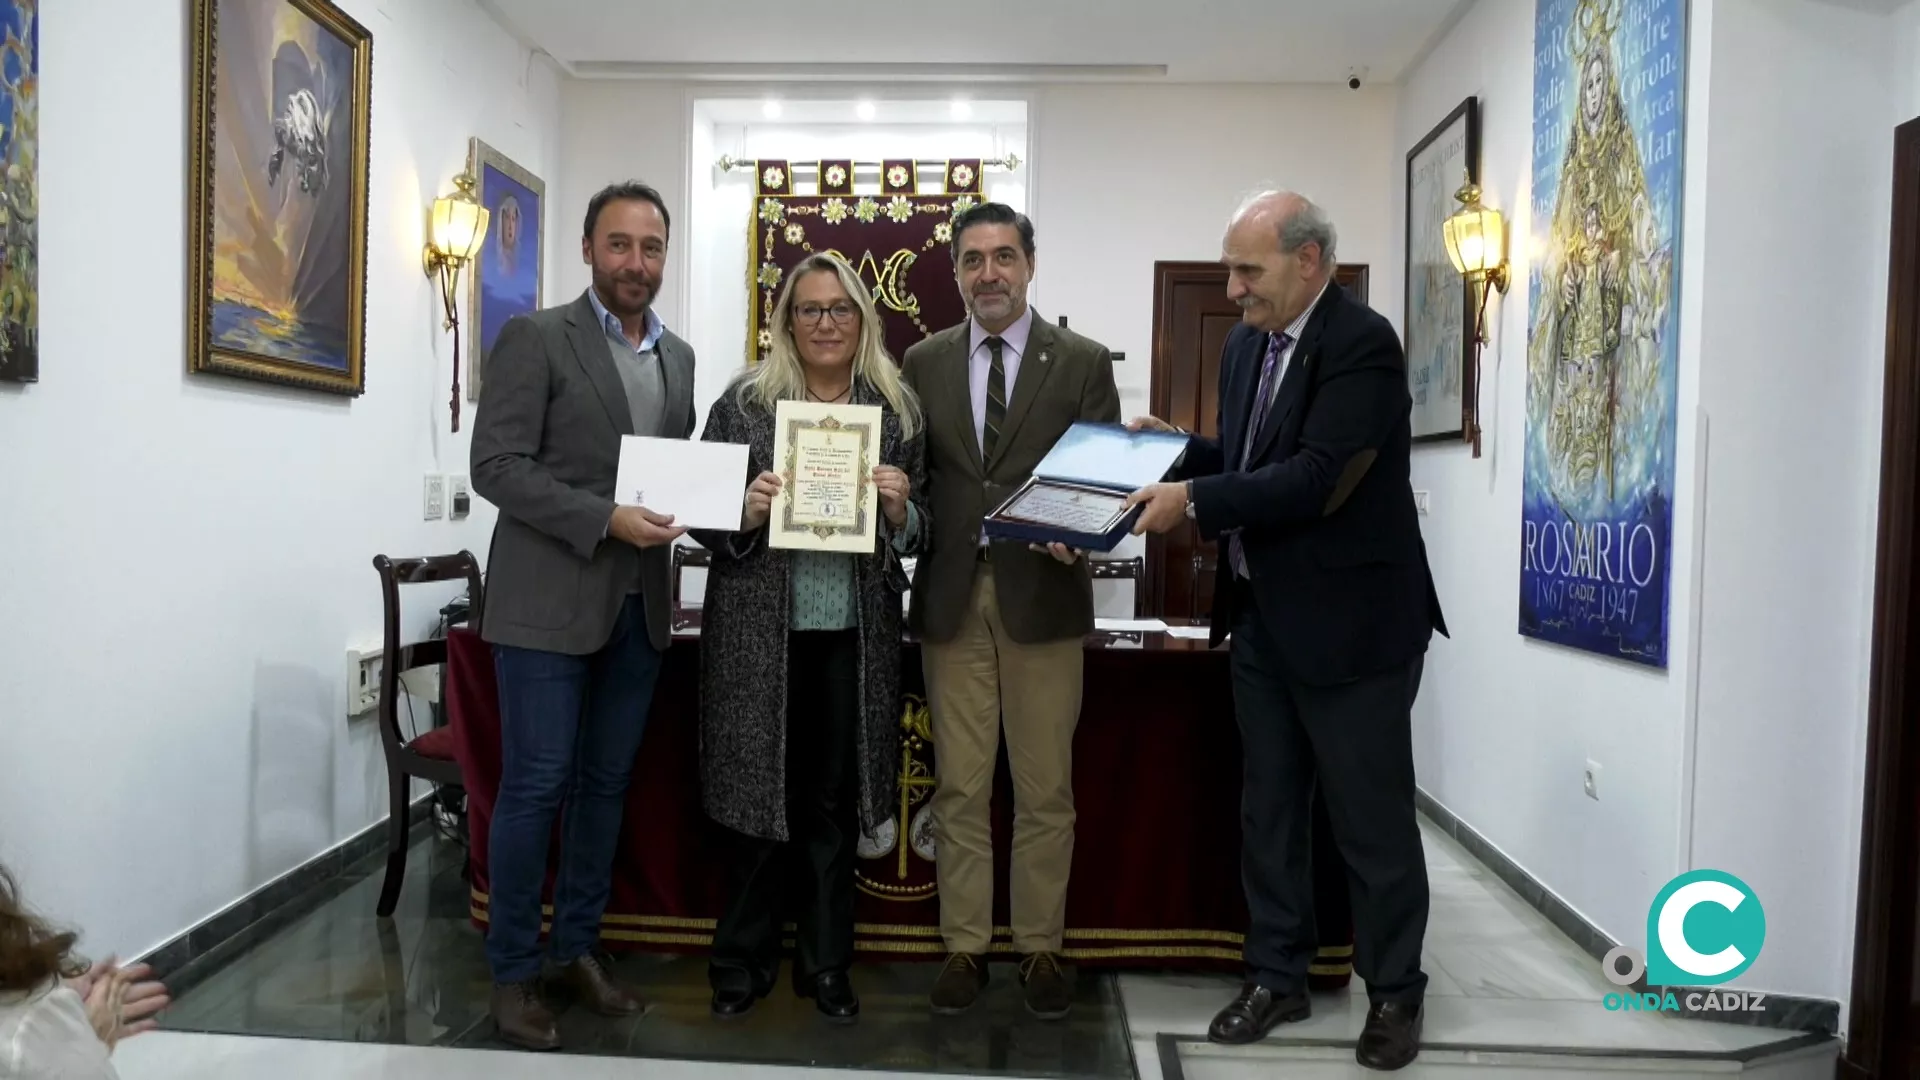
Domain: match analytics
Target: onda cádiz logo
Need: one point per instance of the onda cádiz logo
(1704, 929)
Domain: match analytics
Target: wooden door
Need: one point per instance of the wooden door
(1883, 1036)
(1191, 319)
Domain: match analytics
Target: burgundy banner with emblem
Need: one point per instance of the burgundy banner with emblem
(896, 239)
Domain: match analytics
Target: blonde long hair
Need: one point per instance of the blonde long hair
(782, 375)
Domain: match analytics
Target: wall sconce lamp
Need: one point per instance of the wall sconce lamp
(1476, 240)
(454, 233)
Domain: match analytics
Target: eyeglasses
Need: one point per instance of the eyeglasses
(810, 314)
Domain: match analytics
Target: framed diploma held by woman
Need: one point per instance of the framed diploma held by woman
(825, 455)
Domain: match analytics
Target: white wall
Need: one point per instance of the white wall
(1124, 176)
(1504, 725)
(189, 558)
(1794, 356)
(1783, 361)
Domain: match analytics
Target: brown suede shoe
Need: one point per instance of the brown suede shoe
(589, 982)
(1048, 995)
(959, 984)
(524, 1020)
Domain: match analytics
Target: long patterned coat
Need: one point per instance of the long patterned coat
(743, 642)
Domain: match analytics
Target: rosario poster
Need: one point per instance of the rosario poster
(1602, 346)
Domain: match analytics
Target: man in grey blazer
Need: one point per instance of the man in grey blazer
(575, 604)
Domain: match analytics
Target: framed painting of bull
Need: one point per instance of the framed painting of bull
(277, 196)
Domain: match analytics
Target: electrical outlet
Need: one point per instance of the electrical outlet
(459, 499)
(436, 496)
(1420, 501)
(1591, 780)
(363, 680)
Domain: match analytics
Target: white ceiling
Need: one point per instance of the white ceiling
(974, 41)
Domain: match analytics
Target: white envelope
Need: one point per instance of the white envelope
(702, 484)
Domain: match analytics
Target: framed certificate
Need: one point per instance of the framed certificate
(825, 455)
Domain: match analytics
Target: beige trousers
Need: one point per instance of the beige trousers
(978, 683)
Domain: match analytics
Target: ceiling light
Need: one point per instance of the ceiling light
(771, 110)
(864, 110)
(962, 110)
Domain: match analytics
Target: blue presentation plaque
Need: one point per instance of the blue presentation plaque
(1077, 494)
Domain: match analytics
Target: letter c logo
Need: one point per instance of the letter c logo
(1705, 927)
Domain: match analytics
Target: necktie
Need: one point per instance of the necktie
(1262, 404)
(1263, 397)
(996, 399)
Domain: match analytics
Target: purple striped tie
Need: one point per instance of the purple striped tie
(1262, 403)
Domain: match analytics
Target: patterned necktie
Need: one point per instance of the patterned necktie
(1262, 404)
(1263, 397)
(996, 399)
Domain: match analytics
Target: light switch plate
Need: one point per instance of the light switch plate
(434, 496)
(363, 680)
(459, 498)
(1421, 501)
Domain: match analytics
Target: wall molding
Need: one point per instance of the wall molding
(200, 950)
(1786, 1012)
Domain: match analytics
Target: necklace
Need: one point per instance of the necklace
(832, 399)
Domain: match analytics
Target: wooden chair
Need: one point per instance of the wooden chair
(429, 755)
(1133, 569)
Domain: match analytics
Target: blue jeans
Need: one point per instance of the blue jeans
(570, 728)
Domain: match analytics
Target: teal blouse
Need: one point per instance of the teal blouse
(823, 596)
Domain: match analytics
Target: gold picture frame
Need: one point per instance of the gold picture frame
(277, 193)
(495, 282)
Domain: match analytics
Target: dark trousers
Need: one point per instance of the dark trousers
(810, 874)
(1355, 742)
(570, 728)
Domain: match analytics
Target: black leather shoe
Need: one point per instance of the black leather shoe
(1255, 1013)
(735, 992)
(1391, 1039)
(832, 993)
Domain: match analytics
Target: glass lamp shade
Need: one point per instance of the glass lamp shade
(1476, 237)
(459, 223)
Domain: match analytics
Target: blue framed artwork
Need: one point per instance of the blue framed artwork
(19, 192)
(1597, 495)
(508, 277)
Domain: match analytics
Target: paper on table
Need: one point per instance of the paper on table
(702, 484)
(1189, 633)
(1120, 625)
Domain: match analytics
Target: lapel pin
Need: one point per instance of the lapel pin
(1043, 356)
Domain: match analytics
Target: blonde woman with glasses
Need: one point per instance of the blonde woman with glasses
(800, 656)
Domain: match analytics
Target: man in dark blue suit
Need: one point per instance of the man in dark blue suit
(1324, 586)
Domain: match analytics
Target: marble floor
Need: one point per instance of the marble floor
(330, 990)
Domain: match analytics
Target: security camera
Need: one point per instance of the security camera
(1354, 75)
